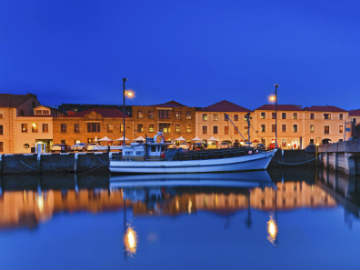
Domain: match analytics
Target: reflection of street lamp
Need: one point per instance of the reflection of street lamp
(272, 230)
(40, 202)
(128, 94)
(130, 240)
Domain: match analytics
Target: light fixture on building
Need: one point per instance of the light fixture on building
(272, 98)
(129, 93)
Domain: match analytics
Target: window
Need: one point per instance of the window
(1, 130)
(312, 116)
(226, 130)
(177, 128)
(140, 115)
(204, 129)
(312, 128)
(188, 116)
(273, 128)
(45, 128)
(178, 115)
(311, 141)
(151, 128)
(327, 116)
(341, 116)
(295, 115)
(262, 115)
(295, 128)
(41, 112)
(204, 117)
(140, 128)
(216, 117)
(273, 115)
(164, 114)
(236, 117)
(188, 129)
(34, 128)
(341, 129)
(263, 128)
(1, 147)
(90, 140)
(1, 116)
(63, 128)
(24, 128)
(283, 115)
(110, 128)
(283, 128)
(326, 129)
(76, 128)
(215, 130)
(150, 114)
(164, 127)
(63, 142)
(93, 127)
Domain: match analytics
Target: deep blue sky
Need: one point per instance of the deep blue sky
(196, 52)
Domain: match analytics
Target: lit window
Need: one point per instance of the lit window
(140, 128)
(262, 115)
(312, 128)
(177, 128)
(140, 115)
(327, 116)
(24, 128)
(295, 115)
(188, 116)
(34, 128)
(216, 117)
(341, 129)
(204, 117)
(151, 128)
(178, 115)
(188, 129)
(110, 128)
(45, 128)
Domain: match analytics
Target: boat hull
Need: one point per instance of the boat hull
(258, 161)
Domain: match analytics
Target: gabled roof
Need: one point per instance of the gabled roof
(326, 108)
(224, 106)
(13, 101)
(354, 112)
(171, 103)
(280, 107)
(104, 112)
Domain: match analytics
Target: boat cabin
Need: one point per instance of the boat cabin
(150, 150)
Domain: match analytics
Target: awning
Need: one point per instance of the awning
(181, 138)
(140, 138)
(122, 138)
(196, 139)
(212, 139)
(105, 139)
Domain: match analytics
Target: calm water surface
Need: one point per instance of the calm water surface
(288, 219)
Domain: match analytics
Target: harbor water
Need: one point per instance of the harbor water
(279, 219)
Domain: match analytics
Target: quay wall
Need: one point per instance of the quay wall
(343, 157)
(53, 163)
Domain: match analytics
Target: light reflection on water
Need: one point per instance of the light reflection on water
(37, 203)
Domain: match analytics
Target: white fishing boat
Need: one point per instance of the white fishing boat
(153, 158)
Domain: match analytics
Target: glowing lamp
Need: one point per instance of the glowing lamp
(272, 98)
(129, 93)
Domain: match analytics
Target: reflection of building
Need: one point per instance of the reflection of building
(27, 208)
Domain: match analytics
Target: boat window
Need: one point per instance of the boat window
(153, 148)
(139, 153)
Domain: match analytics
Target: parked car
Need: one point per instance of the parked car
(78, 147)
(59, 148)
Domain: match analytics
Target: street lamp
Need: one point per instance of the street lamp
(274, 99)
(128, 94)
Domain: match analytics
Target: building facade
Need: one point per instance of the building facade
(172, 118)
(223, 121)
(90, 125)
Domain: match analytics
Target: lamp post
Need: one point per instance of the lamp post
(124, 109)
(276, 115)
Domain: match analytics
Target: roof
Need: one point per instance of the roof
(280, 107)
(105, 112)
(354, 112)
(224, 106)
(325, 108)
(171, 103)
(13, 101)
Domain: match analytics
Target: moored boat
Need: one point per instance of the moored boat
(152, 158)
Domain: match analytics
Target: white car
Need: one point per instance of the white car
(78, 147)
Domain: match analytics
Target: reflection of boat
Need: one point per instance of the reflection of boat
(241, 179)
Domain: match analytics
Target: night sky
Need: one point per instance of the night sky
(195, 52)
